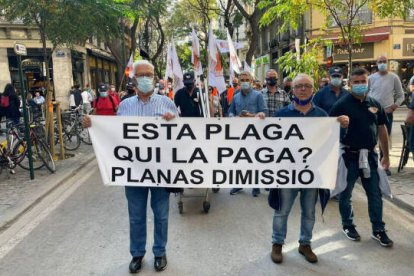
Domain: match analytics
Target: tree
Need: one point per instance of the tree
(344, 15)
(307, 63)
(195, 14)
(253, 18)
(153, 35)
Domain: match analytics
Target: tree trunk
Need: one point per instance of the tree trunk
(350, 47)
(254, 38)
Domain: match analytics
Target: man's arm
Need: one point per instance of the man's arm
(399, 94)
(410, 117)
(383, 143)
(232, 109)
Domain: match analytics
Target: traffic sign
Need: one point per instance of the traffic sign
(20, 49)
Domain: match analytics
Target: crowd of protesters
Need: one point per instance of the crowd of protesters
(364, 113)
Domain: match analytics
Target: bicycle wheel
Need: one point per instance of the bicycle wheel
(46, 156)
(19, 151)
(71, 141)
(84, 135)
(36, 157)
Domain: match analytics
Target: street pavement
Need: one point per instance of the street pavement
(83, 229)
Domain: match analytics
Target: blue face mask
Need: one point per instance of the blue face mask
(336, 82)
(103, 94)
(245, 85)
(302, 102)
(382, 67)
(360, 89)
(145, 84)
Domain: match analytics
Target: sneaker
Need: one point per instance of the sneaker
(235, 191)
(306, 251)
(382, 238)
(255, 192)
(276, 254)
(351, 233)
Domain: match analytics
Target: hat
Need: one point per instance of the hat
(188, 77)
(102, 87)
(335, 71)
(131, 84)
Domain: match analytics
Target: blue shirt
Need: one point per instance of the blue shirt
(156, 106)
(291, 111)
(252, 102)
(326, 98)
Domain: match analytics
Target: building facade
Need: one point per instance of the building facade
(91, 63)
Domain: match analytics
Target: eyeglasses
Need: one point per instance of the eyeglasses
(381, 61)
(245, 80)
(300, 86)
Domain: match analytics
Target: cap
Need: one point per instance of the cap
(131, 85)
(102, 87)
(335, 71)
(188, 77)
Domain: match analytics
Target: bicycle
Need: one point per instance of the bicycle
(41, 155)
(12, 150)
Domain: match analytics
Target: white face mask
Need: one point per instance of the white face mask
(145, 84)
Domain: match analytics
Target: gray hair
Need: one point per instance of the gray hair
(142, 62)
(302, 76)
(287, 79)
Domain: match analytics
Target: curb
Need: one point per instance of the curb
(401, 204)
(90, 157)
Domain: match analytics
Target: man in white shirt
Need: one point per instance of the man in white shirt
(86, 100)
(386, 88)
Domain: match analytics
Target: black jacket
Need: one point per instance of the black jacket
(13, 110)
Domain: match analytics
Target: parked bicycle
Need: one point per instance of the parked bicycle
(41, 154)
(12, 150)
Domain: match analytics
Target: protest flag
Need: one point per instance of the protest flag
(129, 70)
(195, 55)
(215, 68)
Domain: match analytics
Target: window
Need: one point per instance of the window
(364, 16)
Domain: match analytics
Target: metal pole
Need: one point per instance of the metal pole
(26, 119)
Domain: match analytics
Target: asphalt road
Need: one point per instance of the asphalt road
(82, 229)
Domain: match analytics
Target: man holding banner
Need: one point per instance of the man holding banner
(147, 104)
(281, 200)
(247, 103)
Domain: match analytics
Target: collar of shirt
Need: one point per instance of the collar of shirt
(291, 107)
(150, 99)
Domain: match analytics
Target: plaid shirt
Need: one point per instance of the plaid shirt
(275, 101)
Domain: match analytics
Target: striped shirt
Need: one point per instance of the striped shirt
(156, 106)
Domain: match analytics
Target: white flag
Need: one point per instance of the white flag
(195, 57)
(173, 69)
(215, 71)
(129, 70)
(248, 69)
(223, 45)
(235, 63)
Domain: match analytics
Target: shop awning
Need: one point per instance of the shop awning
(370, 35)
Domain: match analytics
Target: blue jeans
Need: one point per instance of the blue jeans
(308, 199)
(137, 209)
(371, 187)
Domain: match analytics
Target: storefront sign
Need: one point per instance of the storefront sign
(20, 49)
(408, 47)
(359, 51)
(60, 54)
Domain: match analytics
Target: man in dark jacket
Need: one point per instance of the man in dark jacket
(282, 199)
(12, 109)
(188, 99)
(77, 93)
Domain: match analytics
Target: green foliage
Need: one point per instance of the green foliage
(68, 22)
(308, 62)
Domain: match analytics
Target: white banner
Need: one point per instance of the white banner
(223, 45)
(217, 153)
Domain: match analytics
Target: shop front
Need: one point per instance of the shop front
(102, 69)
